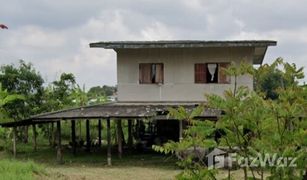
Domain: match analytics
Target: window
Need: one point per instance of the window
(211, 73)
(151, 73)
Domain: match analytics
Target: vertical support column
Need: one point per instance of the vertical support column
(99, 132)
(73, 136)
(180, 130)
(14, 141)
(109, 142)
(130, 138)
(59, 143)
(52, 135)
(88, 136)
(34, 137)
(119, 138)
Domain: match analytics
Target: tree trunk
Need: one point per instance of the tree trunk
(245, 173)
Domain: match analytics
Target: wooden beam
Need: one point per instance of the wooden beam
(99, 132)
(73, 136)
(130, 138)
(14, 141)
(34, 137)
(109, 142)
(88, 136)
(119, 138)
(59, 143)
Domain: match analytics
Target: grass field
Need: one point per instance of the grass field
(42, 165)
(92, 165)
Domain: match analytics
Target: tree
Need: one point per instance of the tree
(99, 94)
(26, 81)
(63, 89)
(191, 148)
(279, 74)
(254, 126)
(5, 99)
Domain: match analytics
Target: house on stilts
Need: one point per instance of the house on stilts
(153, 76)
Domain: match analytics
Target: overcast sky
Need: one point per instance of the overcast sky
(54, 35)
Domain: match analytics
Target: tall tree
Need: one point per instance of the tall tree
(63, 89)
(270, 77)
(26, 81)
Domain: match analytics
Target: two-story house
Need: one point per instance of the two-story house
(153, 76)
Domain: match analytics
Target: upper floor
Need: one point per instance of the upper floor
(181, 71)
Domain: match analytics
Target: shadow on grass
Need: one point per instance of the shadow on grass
(97, 158)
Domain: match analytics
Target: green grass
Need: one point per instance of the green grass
(92, 165)
(12, 169)
(42, 164)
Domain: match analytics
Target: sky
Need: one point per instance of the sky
(54, 35)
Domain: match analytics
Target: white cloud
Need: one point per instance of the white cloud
(55, 35)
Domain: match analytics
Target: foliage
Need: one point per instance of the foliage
(26, 81)
(101, 91)
(279, 74)
(6, 99)
(100, 94)
(62, 90)
(253, 126)
(192, 147)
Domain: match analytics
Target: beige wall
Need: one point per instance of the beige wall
(178, 73)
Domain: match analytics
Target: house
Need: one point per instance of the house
(153, 76)
(180, 71)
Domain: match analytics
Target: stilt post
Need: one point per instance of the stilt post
(130, 138)
(119, 138)
(73, 136)
(88, 136)
(180, 130)
(109, 142)
(14, 141)
(34, 137)
(59, 143)
(99, 132)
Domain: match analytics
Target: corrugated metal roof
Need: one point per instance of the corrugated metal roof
(115, 110)
(180, 44)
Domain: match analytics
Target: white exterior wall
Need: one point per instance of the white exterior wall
(178, 73)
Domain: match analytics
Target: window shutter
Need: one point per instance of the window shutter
(200, 73)
(145, 73)
(159, 73)
(223, 78)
